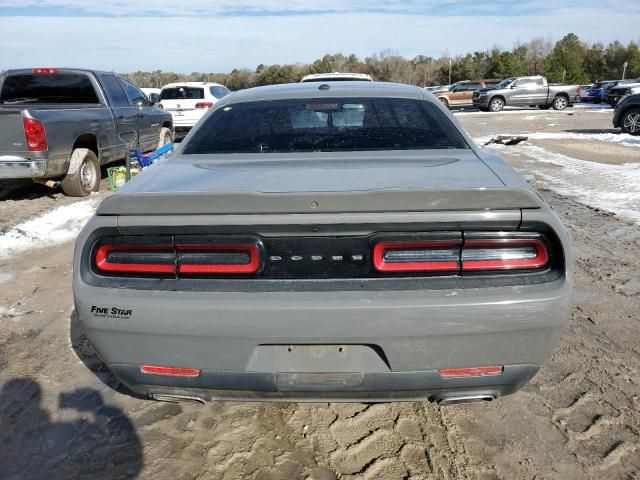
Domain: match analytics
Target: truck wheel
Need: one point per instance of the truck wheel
(496, 104)
(560, 103)
(165, 137)
(631, 122)
(86, 174)
(444, 101)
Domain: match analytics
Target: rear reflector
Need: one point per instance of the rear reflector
(417, 256)
(220, 259)
(172, 371)
(35, 135)
(504, 254)
(471, 371)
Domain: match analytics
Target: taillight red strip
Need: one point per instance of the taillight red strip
(540, 260)
(471, 371)
(102, 259)
(172, 371)
(382, 265)
(229, 268)
(35, 135)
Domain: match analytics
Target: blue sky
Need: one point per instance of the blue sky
(215, 35)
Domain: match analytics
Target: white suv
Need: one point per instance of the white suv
(189, 101)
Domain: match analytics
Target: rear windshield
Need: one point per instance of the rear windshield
(181, 93)
(327, 125)
(48, 88)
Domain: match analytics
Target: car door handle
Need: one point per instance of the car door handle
(120, 117)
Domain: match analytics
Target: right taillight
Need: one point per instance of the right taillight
(35, 135)
(417, 256)
(504, 253)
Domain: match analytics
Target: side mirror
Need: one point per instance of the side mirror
(141, 102)
(154, 98)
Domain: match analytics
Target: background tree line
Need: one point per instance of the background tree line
(569, 58)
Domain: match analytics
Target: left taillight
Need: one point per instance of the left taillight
(35, 135)
(470, 253)
(132, 259)
(177, 259)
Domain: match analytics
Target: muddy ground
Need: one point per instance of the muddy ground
(63, 416)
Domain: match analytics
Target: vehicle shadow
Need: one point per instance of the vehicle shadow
(593, 130)
(101, 443)
(87, 354)
(25, 189)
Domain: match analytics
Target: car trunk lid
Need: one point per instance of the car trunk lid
(453, 180)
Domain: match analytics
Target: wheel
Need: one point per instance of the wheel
(86, 174)
(496, 104)
(165, 137)
(560, 103)
(544, 107)
(444, 101)
(631, 121)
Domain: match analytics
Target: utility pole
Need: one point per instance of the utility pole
(450, 71)
(624, 69)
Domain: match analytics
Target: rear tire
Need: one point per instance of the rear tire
(444, 102)
(165, 137)
(630, 122)
(560, 103)
(496, 104)
(86, 178)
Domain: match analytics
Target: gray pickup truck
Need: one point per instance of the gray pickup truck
(62, 124)
(525, 92)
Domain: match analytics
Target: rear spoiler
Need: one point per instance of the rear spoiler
(425, 200)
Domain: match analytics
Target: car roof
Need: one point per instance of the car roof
(326, 89)
(19, 71)
(193, 84)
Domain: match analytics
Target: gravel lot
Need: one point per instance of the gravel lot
(62, 416)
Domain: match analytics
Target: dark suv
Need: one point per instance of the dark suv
(627, 114)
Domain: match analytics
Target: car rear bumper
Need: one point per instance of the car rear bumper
(18, 167)
(334, 387)
(392, 341)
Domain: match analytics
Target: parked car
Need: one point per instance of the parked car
(525, 91)
(438, 88)
(624, 88)
(627, 114)
(337, 77)
(598, 91)
(350, 243)
(584, 92)
(461, 93)
(189, 101)
(60, 125)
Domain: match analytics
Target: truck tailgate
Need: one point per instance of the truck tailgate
(12, 140)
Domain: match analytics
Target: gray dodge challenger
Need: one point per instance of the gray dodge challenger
(341, 241)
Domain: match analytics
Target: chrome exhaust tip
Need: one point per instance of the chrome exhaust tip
(166, 397)
(459, 399)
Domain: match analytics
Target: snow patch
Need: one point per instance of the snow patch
(57, 226)
(6, 277)
(619, 138)
(615, 188)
